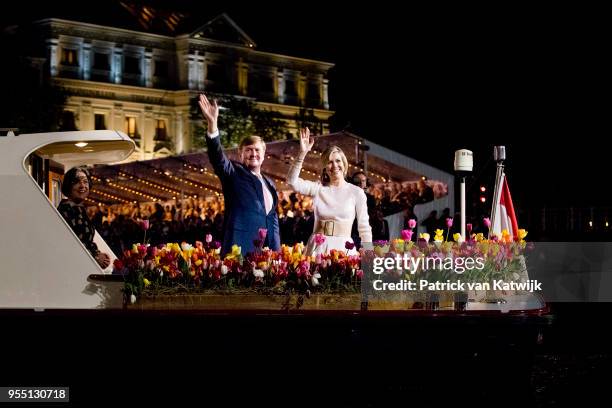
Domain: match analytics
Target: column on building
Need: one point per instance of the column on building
(148, 133)
(86, 116)
(190, 73)
(179, 130)
(117, 64)
(117, 118)
(148, 68)
(86, 60)
(200, 71)
(301, 90)
(279, 85)
(242, 70)
(53, 55)
(325, 93)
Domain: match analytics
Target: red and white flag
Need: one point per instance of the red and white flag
(505, 218)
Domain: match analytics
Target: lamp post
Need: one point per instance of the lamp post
(464, 162)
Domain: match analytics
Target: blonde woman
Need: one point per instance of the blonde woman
(336, 203)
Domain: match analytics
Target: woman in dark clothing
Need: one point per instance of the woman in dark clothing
(76, 187)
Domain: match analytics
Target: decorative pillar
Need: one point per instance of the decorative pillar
(117, 64)
(52, 54)
(279, 88)
(86, 61)
(325, 93)
(192, 77)
(148, 68)
(200, 71)
(301, 89)
(179, 145)
(242, 69)
(86, 116)
(148, 133)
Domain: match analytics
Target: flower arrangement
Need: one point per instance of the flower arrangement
(500, 257)
(199, 268)
(174, 268)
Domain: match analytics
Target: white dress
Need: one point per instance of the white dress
(339, 204)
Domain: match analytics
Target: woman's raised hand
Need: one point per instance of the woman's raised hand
(306, 141)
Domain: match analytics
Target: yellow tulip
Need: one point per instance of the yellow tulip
(522, 233)
(456, 236)
(146, 282)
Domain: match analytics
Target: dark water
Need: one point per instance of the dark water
(319, 360)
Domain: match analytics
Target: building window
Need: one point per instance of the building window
(161, 69)
(101, 61)
(67, 121)
(160, 130)
(69, 57)
(313, 94)
(132, 65)
(291, 97)
(130, 127)
(99, 121)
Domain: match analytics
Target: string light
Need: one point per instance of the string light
(129, 190)
(111, 196)
(149, 183)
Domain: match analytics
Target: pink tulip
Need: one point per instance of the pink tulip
(319, 239)
(449, 222)
(487, 222)
(411, 223)
(262, 233)
(359, 274)
(468, 227)
(144, 224)
(407, 235)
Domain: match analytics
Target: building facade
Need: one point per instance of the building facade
(145, 84)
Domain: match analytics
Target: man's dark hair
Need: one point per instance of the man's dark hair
(355, 181)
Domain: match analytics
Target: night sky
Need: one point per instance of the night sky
(428, 81)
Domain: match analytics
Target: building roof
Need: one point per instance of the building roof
(192, 174)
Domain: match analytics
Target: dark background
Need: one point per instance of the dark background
(423, 81)
(426, 81)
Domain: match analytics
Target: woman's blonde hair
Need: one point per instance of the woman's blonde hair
(325, 160)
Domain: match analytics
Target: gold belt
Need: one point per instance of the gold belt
(333, 228)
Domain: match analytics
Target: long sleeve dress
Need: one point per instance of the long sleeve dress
(335, 208)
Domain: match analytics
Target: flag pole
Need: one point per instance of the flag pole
(499, 155)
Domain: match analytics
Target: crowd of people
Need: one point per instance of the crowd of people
(191, 219)
(326, 214)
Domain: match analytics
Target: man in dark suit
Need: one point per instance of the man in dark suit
(250, 197)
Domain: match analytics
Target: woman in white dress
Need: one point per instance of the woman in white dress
(336, 203)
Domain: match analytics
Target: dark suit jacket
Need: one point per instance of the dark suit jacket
(245, 210)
